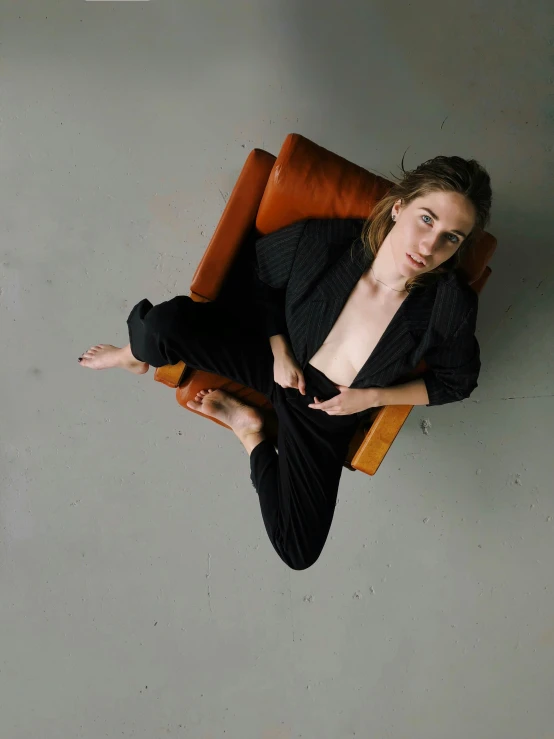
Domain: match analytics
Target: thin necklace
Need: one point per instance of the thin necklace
(382, 283)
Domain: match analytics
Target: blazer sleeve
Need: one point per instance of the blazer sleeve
(455, 365)
(275, 255)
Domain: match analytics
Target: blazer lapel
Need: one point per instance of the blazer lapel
(394, 344)
(330, 298)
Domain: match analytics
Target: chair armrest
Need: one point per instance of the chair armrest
(235, 224)
(379, 438)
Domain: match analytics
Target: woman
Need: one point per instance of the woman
(349, 310)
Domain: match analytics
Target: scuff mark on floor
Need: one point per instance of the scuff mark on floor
(425, 425)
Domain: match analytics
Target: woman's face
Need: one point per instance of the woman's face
(430, 237)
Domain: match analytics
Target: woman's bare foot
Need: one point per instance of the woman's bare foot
(243, 419)
(104, 356)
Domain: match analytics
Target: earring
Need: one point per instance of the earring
(394, 218)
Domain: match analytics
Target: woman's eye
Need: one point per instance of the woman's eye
(455, 241)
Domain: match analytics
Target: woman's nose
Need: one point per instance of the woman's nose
(427, 248)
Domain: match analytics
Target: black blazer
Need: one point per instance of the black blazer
(305, 272)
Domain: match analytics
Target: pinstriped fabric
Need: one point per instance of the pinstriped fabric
(276, 252)
(305, 274)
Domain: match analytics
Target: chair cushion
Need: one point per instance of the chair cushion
(308, 181)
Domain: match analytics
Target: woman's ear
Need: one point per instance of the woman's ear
(396, 207)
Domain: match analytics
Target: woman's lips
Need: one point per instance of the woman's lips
(413, 263)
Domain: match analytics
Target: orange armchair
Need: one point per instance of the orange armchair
(304, 181)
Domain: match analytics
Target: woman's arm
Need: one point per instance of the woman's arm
(453, 369)
(410, 393)
(455, 365)
(279, 344)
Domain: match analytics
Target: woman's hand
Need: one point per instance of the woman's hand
(350, 400)
(287, 372)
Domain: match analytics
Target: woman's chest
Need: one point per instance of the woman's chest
(354, 336)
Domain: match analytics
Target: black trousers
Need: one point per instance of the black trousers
(297, 487)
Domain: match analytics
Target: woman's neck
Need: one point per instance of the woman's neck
(384, 271)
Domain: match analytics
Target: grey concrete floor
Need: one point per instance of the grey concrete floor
(139, 594)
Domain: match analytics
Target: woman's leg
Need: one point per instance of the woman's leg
(206, 336)
(245, 421)
(298, 487)
(105, 356)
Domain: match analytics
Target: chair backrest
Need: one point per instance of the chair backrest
(308, 181)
